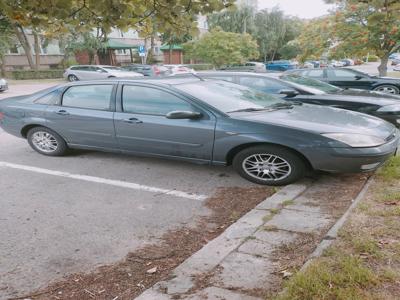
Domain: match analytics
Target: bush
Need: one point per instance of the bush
(33, 74)
(200, 67)
(371, 58)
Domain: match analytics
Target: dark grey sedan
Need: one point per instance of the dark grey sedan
(267, 140)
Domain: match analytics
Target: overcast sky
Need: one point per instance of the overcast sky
(301, 8)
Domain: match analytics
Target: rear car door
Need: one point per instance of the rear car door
(141, 125)
(348, 79)
(84, 115)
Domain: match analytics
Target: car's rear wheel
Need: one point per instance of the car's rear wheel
(388, 89)
(72, 78)
(46, 141)
(269, 165)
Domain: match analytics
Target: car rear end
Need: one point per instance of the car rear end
(3, 85)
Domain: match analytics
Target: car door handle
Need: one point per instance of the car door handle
(62, 112)
(132, 121)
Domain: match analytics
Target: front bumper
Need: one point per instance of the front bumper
(3, 87)
(353, 160)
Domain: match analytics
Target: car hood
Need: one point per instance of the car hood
(320, 119)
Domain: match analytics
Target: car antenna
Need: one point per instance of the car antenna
(197, 76)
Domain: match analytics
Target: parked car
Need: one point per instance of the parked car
(178, 69)
(347, 62)
(147, 70)
(3, 85)
(394, 56)
(395, 61)
(349, 78)
(267, 140)
(92, 72)
(308, 65)
(306, 90)
(396, 68)
(336, 64)
(250, 66)
(280, 65)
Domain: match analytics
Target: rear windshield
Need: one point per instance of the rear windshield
(311, 83)
(227, 97)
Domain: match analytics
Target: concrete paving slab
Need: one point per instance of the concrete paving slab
(243, 271)
(215, 293)
(300, 221)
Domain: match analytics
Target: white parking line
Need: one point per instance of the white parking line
(125, 184)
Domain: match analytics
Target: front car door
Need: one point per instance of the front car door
(141, 124)
(346, 78)
(84, 115)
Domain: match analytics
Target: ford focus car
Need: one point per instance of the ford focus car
(267, 140)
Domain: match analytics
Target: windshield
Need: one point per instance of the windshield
(229, 97)
(311, 83)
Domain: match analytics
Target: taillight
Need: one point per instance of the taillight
(1, 115)
(157, 71)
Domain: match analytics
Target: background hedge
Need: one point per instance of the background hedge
(33, 74)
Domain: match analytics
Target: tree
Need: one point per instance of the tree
(372, 25)
(87, 15)
(6, 39)
(273, 31)
(222, 48)
(236, 19)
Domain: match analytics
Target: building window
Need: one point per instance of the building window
(14, 49)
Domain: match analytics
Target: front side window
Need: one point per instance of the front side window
(146, 100)
(262, 84)
(96, 96)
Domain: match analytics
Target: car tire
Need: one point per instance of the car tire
(47, 142)
(72, 78)
(269, 165)
(388, 89)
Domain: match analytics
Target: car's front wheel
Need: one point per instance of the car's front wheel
(388, 89)
(46, 141)
(269, 165)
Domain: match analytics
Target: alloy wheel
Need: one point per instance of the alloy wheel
(44, 141)
(267, 167)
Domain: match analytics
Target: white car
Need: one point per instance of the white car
(93, 72)
(3, 85)
(396, 67)
(336, 64)
(179, 69)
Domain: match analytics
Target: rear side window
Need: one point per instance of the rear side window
(50, 98)
(316, 73)
(342, 73)
(88, 96)
(262, 84)
(145, 100)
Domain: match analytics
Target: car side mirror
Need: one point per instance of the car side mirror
(289, 93)
(179, 114)
(358, 77)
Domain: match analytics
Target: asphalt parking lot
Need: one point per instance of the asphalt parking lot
(69, 214)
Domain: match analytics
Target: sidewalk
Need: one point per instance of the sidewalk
(253, 256)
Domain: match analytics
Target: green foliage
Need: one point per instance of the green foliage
(237, 19)
(35, 74)
(222, 48)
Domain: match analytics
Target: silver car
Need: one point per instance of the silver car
(93, 72)
(3, 85)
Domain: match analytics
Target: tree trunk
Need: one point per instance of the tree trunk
(2, 68)
(383, 65)
(37, 50)
(20, 33)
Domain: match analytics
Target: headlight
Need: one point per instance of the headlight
(356, 140)
(390, 108)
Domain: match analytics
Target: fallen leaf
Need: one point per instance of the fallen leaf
(286, 274)
(152, 270)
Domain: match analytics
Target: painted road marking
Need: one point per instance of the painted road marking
(124, 184)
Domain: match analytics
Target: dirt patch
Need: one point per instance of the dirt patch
(144, 267)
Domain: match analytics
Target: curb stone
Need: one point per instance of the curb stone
(224, 249)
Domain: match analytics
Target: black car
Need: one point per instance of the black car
(349, 78)
(297, 88)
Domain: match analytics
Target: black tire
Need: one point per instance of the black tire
(388, 88)
(287, 162)
(56, 141)
(72, 78)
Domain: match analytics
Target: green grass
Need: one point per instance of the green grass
(344, 278)
(287, 202)
(391, 170)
